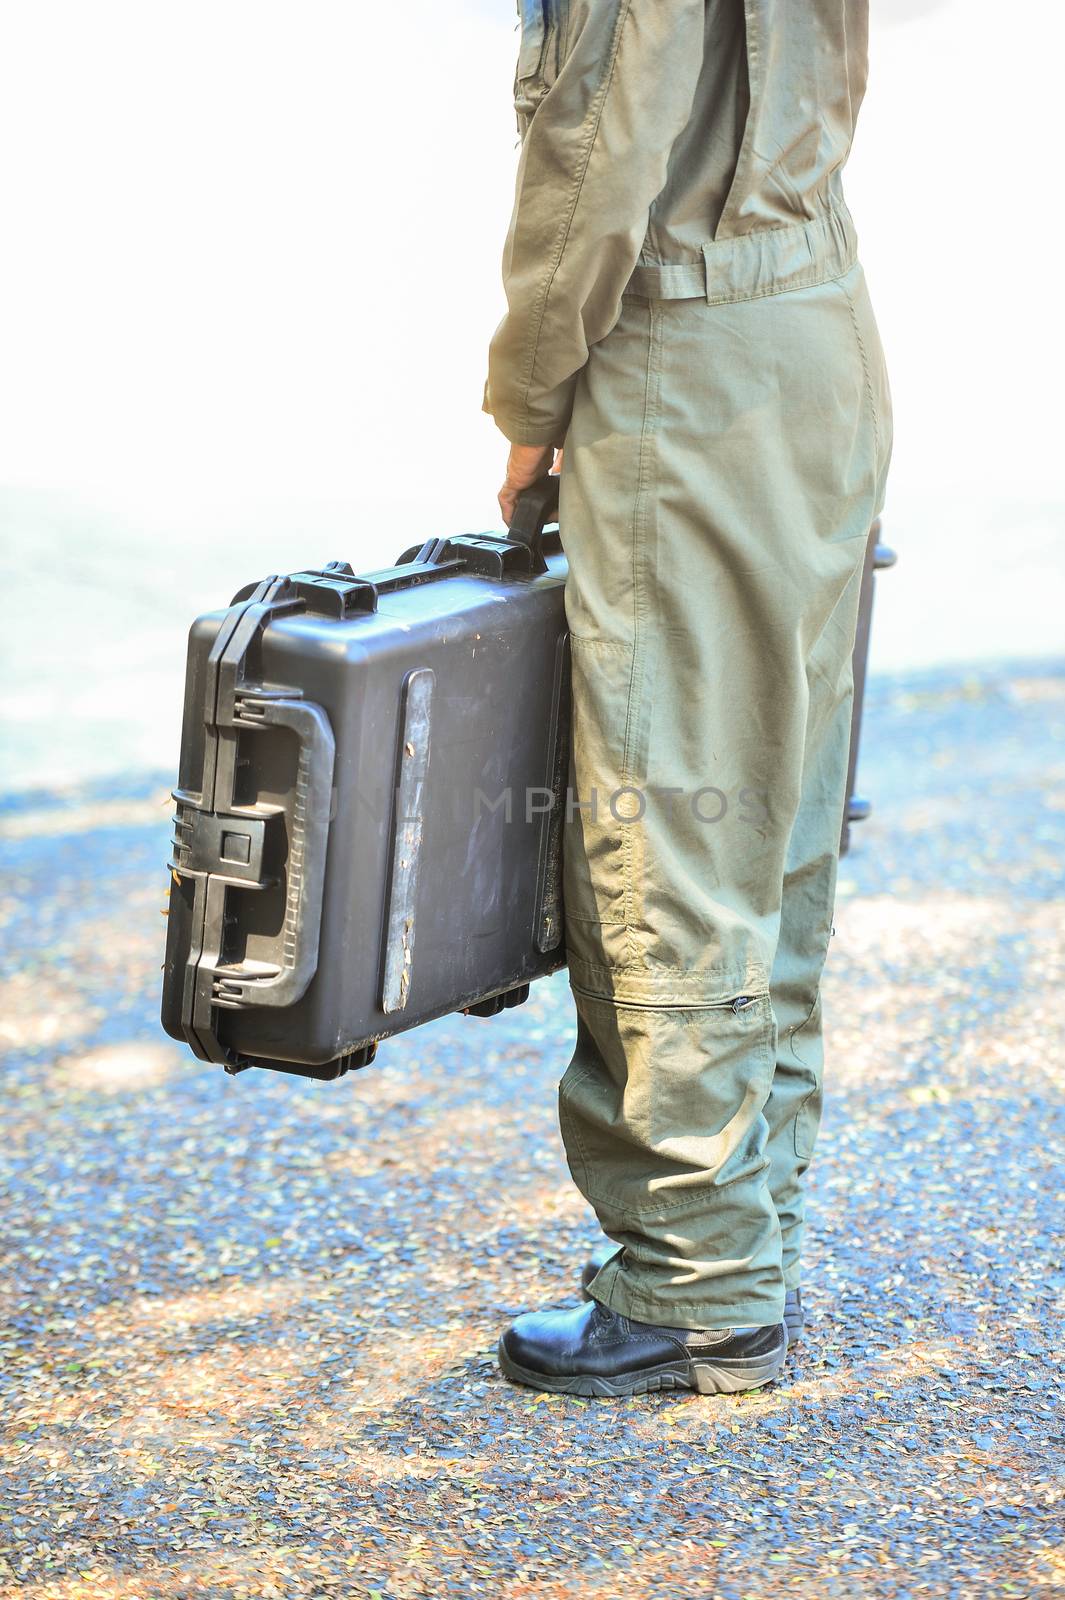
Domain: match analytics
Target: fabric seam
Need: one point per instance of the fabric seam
(599, 644)
(870, 397)
(636, 670)
(595, 117)
(753, 64)
(637, 966)
(812, 282)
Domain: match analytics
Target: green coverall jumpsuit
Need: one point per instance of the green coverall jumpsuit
(687, 313)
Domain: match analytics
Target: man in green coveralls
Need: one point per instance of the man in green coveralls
(688, 316)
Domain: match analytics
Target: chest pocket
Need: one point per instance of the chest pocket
(538, 56)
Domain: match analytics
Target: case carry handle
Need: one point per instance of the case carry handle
(308, 838)
(535, 508)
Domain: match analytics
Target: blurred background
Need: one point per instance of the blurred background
(255, 271)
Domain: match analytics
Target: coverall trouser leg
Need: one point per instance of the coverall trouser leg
(724, 464)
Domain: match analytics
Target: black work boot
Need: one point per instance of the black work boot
(592, 1350)
(794, 1315)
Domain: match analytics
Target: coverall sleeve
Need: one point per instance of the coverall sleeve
(593, 160)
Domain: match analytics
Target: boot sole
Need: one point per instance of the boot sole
(703, 1377)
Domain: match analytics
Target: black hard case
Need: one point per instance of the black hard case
(369, 812)
(369, 808)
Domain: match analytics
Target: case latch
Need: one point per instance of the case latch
(225, 845)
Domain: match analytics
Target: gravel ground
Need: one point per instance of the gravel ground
(249, 1322)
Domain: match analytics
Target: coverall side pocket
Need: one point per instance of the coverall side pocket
(878, 392)
(539, 21)
(533, 38)
(594, 847)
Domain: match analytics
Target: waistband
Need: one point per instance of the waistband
(752, 265)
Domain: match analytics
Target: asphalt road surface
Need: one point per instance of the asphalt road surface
(248, 1323)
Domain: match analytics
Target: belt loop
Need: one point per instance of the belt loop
(751, 265)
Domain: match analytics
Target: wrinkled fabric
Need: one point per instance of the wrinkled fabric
(724, 464)
(710, 355)
(649, 131)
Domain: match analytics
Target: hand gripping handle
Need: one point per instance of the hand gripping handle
(535, 508)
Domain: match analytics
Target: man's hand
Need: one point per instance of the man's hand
(527, 463)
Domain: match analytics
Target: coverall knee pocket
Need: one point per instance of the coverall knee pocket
(808, 1116)
(660, 1104)
(807, 1123)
